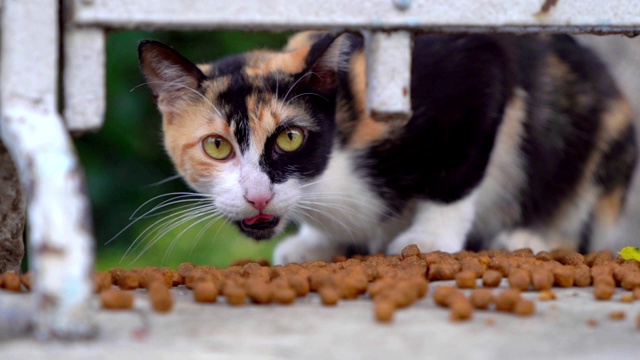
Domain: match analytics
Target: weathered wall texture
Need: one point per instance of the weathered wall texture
(12, 215)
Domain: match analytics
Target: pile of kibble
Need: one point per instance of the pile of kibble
(391, 282)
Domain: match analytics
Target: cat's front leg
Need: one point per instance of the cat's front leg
(438, 226)
(309, 244)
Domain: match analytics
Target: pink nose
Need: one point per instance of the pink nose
(259, 201)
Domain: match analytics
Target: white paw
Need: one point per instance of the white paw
(520, 239)
(424, 243)
(307, 245)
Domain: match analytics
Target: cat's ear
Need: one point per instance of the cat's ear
(170, 76)
(325, 59)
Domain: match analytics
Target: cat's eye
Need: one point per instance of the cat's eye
(217, 147)
(290, 139)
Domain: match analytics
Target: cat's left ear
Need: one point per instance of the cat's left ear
(170, 76)
(326, 58)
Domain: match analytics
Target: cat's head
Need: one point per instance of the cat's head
(250, 130)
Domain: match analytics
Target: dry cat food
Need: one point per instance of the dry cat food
(115, 299)
(392, 282)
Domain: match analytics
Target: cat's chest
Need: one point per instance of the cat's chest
(345, 204)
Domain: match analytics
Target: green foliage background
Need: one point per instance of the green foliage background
(125, 159)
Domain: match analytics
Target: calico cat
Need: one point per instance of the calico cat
(515, 141)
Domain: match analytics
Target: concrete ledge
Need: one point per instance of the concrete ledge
(308, 330)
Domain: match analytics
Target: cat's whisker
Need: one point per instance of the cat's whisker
(284, 100)
(179, 214)
(174, 241)
(314, 94)
(152, 229)
(176, 84)
(175, 194)
(138, 218)
(165, 229)
(329, 216)
(164, 181)
(212, 221)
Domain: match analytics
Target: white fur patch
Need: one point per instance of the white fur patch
(436, 226)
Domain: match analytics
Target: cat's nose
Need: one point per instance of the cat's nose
(259, 201)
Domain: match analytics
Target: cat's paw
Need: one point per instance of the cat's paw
(520, 239)
(303, 247)
(424, 243)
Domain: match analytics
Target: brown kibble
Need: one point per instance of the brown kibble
(234, 294)
(563, 276)
(185, 268)
(542, 279)
(604, 269)
(380, 286)
(102, 281)
(11, 281)
(409, 251)
(283, 295)
(114, 299)
(128, 281)
(25, 279)
(544, 256)
(461, 309)
(519, 279)
(523, 253)
(384, 310)
(592, 323)
(115, 275)
(443, 271)
(474, 265)
(160, 296)
(491, 278)
(630, 280)
(466, 279)
(507, 299)
(524, 307)
(567, 257)
(603, 257)
(547, 295)
(147, 278)
(627, 298)
(421, 285)
(604, 280)
(481, 298)
(444, 294)
(329, 295)
(205, 291)
(582, 276)
(617, 315)
(300, 284)
(258, 291)
(603, 292)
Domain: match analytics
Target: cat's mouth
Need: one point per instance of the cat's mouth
(259, 227)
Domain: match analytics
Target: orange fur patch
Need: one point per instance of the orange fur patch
(262, 63)
(367, 130)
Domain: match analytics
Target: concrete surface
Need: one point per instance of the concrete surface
(308, 330)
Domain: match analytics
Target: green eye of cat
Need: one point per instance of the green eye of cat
(290, 139)
(217, 147)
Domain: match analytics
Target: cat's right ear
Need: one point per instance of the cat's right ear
(170, 76)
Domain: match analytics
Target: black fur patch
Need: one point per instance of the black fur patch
(459, 88)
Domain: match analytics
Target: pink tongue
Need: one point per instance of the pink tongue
(258, 218)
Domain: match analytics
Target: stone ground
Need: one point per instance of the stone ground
(307, 330)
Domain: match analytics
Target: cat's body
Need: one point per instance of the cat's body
(514, 141)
